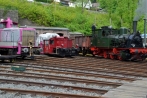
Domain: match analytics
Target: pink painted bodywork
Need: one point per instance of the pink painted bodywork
(19, 46)
(8, 23)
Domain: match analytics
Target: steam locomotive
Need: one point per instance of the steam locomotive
(118, 43)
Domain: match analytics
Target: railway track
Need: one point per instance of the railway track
(83, 70)
(129, 72)
(58, 71)
(61, 78)
(100, 91)
(45, 93)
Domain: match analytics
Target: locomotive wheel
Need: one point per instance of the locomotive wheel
(23, 57)
(120, 58)
(84, 52)
(62, 55)
(93, 55)
(112, 56)
(105, 55)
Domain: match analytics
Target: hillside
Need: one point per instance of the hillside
(55, 15)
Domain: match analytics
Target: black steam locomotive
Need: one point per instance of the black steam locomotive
(118, 43)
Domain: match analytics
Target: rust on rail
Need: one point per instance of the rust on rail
(45, 93)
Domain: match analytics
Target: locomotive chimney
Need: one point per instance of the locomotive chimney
(134, 26)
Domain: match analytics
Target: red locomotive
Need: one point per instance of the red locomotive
(53, 44)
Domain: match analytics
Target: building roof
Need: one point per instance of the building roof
(47, 28)
(75, 33)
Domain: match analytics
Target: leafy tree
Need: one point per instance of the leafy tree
(73, 0)
(82, 4)
(125, 9)
(46, 1)
(109, 6)
(94, 1)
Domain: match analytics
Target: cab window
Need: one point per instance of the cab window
(51, 42)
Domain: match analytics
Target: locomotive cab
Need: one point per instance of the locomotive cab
(103, 37)
(61, 46)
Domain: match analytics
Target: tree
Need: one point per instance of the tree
(93, 1)
(125, 9)
(109, 6)
(82, 3)
(46, 1)
(73, 0)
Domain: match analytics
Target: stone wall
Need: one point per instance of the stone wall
(26, 22)
(13, 14)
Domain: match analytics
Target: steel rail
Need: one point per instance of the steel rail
(76, 73)
(112, 71)
(45, 93)
(100, 91)
(108, 66)
(61, 78)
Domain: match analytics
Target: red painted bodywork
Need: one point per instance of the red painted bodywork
(55, 43)
(114, 53)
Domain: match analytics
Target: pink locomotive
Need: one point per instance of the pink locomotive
(17, 41)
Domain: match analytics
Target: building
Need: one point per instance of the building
(56, 0)
(69, 3)
(86, 5)
(58, 30)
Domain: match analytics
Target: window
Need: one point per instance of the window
(27, 36)
(103, 33)
(51, 42)
(46, 43)
(2, 25)
(10, 35)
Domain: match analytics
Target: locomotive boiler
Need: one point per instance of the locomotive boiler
(118, 43)
(124, 39)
